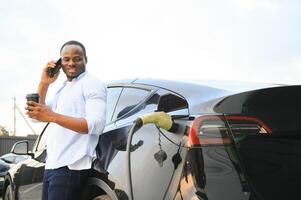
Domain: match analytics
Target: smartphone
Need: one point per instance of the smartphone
(53, 71)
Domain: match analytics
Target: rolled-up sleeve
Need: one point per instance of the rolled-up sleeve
(95, 100)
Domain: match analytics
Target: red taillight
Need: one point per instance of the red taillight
(208, 130)
(217, 129)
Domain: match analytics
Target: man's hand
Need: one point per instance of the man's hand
(45, 79)
(39, 112)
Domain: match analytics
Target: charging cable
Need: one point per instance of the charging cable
(160, 120)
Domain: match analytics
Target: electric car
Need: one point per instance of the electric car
(229, 141)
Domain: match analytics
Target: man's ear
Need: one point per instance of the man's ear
(86, 58)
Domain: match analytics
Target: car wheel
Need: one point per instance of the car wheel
(102, 197)
(8, 193)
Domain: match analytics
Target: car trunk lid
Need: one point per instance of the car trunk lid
(271, 159)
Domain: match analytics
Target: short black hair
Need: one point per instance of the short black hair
(74, 42)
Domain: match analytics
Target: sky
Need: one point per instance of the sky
(244, 40)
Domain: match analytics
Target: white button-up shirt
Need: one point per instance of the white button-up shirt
(83, 97)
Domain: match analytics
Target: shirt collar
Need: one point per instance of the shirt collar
(76, 78)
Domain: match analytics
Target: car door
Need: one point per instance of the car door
(112, 142)
(150, 179)
(30, 175)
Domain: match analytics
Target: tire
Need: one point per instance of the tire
(9, 193)
(102, 197)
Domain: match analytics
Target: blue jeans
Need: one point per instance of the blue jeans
(63, 184)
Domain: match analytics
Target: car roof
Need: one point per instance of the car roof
(197, 92)
(226, 85)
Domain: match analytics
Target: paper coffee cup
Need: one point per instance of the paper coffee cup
(33, 97)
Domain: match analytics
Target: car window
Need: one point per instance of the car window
(147, 106)
(112, 98)
(129, 99)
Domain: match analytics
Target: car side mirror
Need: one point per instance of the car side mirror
(171, 102)
(20, 148)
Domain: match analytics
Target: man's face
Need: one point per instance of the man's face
(73, 61)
